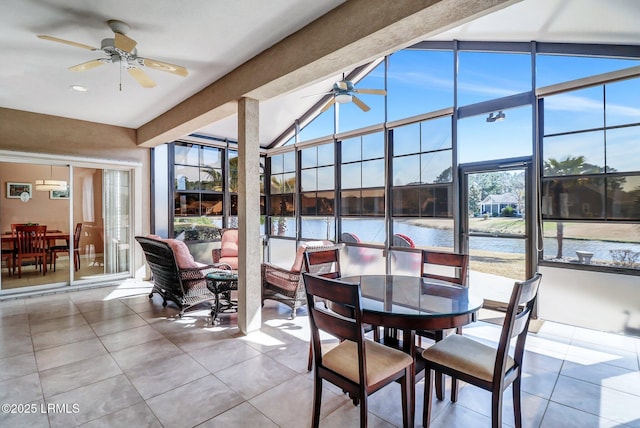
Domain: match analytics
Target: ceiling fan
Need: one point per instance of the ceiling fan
(121, 49)
(344, 91)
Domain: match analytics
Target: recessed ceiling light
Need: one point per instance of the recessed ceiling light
(79, 88)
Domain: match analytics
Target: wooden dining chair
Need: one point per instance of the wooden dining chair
(484, 366)
(357, 365)
(31, 242)
(56, 249)
(326, 263)
(448, 267)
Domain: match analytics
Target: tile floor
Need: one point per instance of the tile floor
(110, 357)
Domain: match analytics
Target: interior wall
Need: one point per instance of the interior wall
(43, 135)
(596, 300)
(40, 208)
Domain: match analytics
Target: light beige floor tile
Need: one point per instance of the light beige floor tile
(34, 417)
(107, 313)
(138, 415)
(291, 402)
(293, 355)
(57, 324)
(23, 389)
(12, 346)
(115, 325)
(567, 417)
(145, 353)
(254, 376)
(605, 375)
(63, 336)
(78, 374)
(455, 415)
(17, 366)
(70, 353)
(243, 414)
(52, 309)
(124, 339)
(207, 398)
(94, 401)
(163, 375)
(223, 353)
(348, 415)
(600, 401)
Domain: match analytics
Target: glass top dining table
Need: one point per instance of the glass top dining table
(415, 303)
(412, 303)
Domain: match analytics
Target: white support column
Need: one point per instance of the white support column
(249, 282)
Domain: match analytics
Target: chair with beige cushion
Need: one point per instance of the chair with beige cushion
(357, 365)
(176, 275)
(228, 251)
(490, 368)
(286, 285)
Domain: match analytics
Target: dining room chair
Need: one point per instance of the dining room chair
(31, 242)
(54, 250)
(448, 267)
(488, 367)
(357, 365)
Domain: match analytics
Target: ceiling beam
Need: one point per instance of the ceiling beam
(352, 34)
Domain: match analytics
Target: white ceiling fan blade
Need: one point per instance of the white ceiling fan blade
(357, 101)
(163, 66)
(141, 77)
(124, 43)
(88, 65)
(371, 91)
(67, 42)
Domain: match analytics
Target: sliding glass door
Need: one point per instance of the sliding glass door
(88, 224)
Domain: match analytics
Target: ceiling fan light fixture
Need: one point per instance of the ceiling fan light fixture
(343, 98)
(498, 117)
(48, 185)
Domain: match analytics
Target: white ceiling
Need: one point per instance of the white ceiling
(212, 37)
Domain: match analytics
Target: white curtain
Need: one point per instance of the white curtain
(87, 200)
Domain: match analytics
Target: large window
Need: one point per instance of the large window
(198, 192)
(362, 197)
(591, 176)
(317, 187)
(282, 207)
(419, 81)
(422, 190)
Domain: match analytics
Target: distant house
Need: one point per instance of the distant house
(493, 204)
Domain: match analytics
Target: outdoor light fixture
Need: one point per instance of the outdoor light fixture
(343, 98)
(497, 118)
(48, 185)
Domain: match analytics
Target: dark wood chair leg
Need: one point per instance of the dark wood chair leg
(517, 406)
(428, 387)
(496, 408)
(317, 402)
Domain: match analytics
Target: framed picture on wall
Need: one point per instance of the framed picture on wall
(59, 194)
(15, 190)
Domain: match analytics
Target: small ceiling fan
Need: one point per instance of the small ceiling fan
(121, 49)
(344, 91)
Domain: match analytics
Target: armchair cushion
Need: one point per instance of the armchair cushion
(183, 257)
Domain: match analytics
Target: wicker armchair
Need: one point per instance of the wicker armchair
(286, 285)
(183, 283)
(228, 251)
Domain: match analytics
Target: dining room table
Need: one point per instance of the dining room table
(8, 239)
(405, 304)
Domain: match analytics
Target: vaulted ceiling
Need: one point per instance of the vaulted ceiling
(277, 51)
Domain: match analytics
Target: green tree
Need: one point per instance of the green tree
(571, 165)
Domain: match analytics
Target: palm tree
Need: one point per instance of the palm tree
(571, 165)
